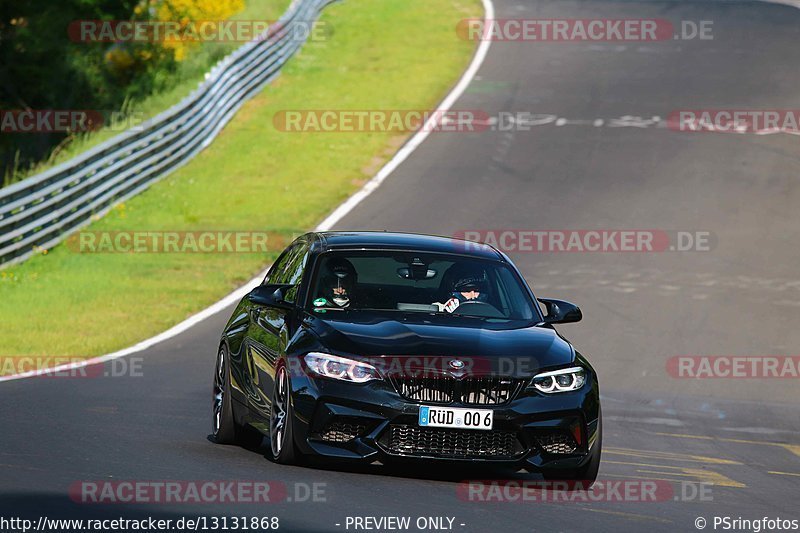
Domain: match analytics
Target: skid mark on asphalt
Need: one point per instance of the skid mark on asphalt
(699, 475)
(665, 283)
(648, 478)
(4, 466)
(673, 422)
(629, 516)
(783, 473)
(652, 463)
(670, 456)
(793, 448)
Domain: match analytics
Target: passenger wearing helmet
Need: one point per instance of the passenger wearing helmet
(337, 284)
(469, 285)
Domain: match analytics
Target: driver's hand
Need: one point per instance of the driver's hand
(449, 306)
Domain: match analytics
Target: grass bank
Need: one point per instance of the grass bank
(393, 54)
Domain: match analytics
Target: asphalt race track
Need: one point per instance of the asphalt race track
(741, 297)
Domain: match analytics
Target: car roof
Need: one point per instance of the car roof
(325, 241)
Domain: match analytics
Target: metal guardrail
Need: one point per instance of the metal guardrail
(44, 209)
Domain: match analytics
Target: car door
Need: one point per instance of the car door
(254, 351)
(269, 329)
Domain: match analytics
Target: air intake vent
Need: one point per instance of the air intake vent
(453, 443)
(338, 431)
(557, 443)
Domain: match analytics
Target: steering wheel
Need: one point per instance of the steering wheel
(484, 306)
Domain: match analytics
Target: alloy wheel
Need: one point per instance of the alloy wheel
(280, 409)
(219, 390)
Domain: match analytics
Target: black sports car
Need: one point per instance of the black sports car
(386, 346)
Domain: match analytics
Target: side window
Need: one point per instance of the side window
(295, 267)
(275, 273)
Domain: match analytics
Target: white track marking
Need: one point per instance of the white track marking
(333, 218)
(193, 320)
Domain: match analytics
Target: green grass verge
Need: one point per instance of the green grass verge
(180, 83)
(392, 54)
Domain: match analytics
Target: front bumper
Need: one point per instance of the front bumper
(372, 422)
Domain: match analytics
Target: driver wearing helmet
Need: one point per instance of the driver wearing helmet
(337, 283)
(469, 285)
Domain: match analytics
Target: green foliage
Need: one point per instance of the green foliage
(44, 66)
(41, 68)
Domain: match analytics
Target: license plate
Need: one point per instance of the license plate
(455, 417)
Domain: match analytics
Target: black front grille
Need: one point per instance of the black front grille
(488, 390)
(435, 389)
(452, 443)
(438, 388)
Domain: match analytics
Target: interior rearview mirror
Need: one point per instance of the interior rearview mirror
(416, 274)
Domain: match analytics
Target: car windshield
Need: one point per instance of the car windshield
(417, 282)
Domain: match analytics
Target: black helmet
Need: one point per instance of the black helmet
(469, 277)
(338, 281)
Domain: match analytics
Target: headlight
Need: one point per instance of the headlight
(565, 380)
(335, 367)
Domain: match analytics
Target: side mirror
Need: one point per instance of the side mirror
(268, 295)
(561, 312)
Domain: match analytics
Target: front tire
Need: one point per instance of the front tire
(585, 475)
(281, 421)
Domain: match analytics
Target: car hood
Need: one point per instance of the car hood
(373, 336)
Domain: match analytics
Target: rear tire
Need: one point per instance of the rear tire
(224, 429)
(223, 425)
